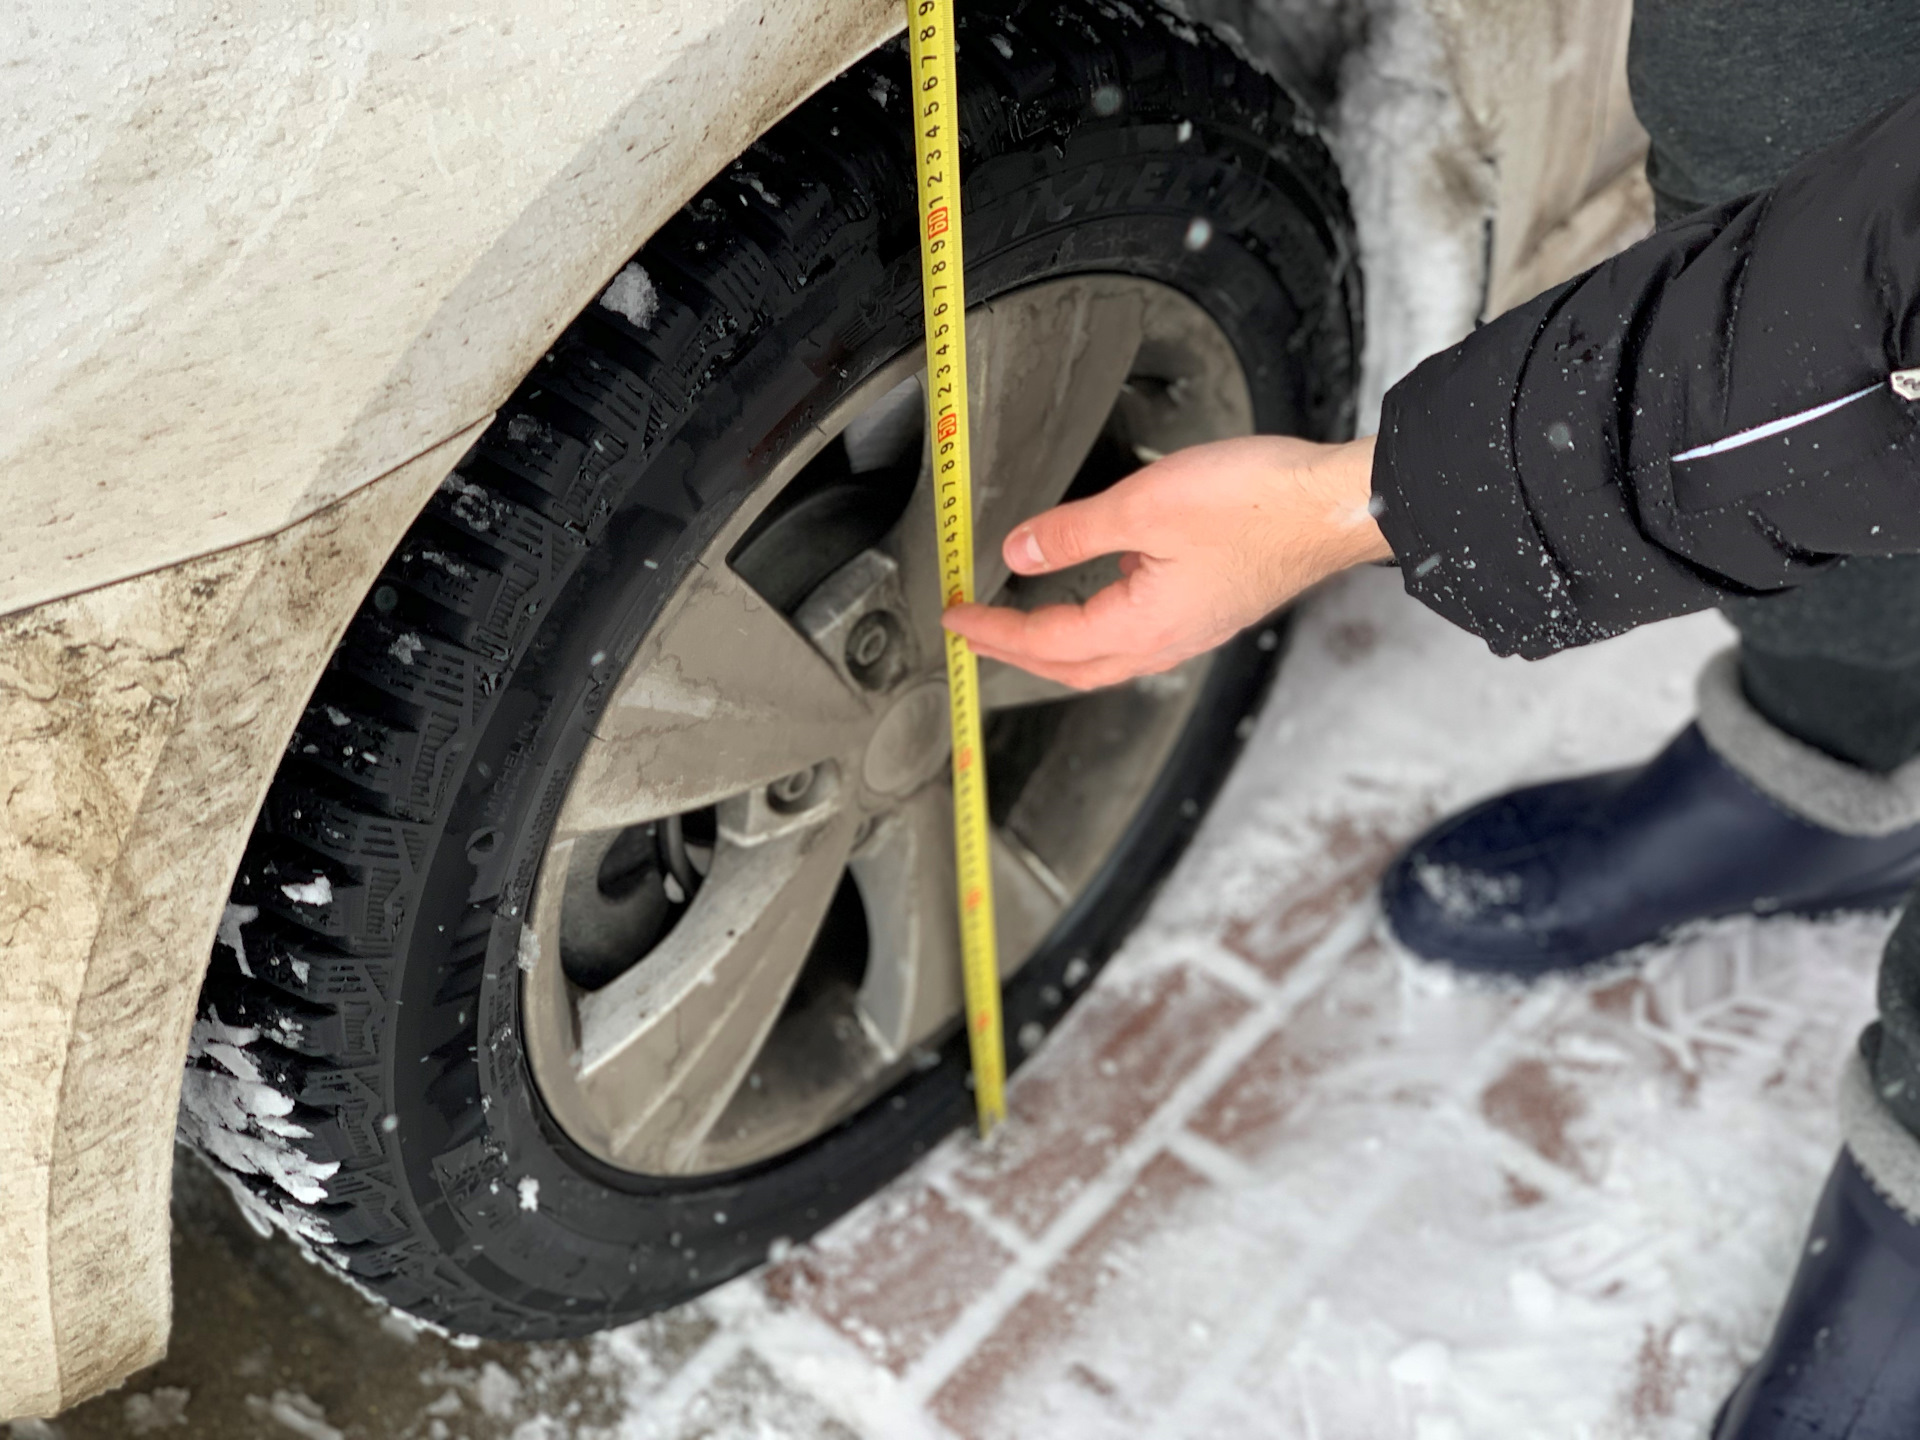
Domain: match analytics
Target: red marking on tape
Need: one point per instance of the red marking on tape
(982, 1023)
(949, 426)
(974, 898)
(936, 221)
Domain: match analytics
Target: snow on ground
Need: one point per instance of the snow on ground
(1270, 1180)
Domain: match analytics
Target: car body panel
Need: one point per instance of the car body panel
(139, 725)
(264, 273)
(282, 249)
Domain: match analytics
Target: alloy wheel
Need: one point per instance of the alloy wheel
(743, 927)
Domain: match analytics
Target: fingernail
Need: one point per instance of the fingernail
(1027, 545)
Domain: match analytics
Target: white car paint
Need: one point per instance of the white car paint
(264, 271)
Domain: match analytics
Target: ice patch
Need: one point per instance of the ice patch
(406, 647)
(632, 296)
(754, 183)
(529, 1193)
(230, 1111)
(337, 716)
(1003, 45)
(497, 1392)
(231, 919)
(317, 891)
(294, 1411)
(524, 428)
(471, 503)
(1181, 28)
(445, 562)
(161, 1409)
(1422, 191)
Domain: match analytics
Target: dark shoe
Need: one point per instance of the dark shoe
(1844, 1361)
(1558, 876)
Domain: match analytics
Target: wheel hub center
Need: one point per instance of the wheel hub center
(910, 744)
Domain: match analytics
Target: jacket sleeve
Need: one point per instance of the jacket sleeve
(1716, 411)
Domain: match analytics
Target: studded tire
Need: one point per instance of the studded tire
(357, 1073)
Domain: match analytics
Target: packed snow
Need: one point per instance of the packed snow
(230, 1111)
(317, 891)
(632, 296)
(231, 919)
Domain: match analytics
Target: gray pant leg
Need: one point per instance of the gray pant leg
(1836, 663)
(1891, 1045)
(1880, 1097)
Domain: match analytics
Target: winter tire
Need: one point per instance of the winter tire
(591, 938)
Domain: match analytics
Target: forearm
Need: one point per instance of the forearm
(1564, 473)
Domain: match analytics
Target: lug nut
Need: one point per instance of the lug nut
(874, 651)
(791, 789)
(868, 642)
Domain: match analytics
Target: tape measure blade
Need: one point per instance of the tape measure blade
(934, 104)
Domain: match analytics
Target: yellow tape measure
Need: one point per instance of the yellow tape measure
(936, 147)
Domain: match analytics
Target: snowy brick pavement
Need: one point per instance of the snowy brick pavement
(1271, 1180)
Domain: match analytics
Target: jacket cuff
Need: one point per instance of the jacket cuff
(1500, 481)
(1449, 501)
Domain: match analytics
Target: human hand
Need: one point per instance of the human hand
(1211, 539)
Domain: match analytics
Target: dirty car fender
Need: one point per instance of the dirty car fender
(264, 276)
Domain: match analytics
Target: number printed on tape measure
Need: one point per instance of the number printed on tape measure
(942, 276)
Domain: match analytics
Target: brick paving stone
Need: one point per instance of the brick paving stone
(1111, 1334)
(1532, 1103)
(1100, 1079)
(1358, 1066)
(895, 1275)
(1740, 1004)
(1457, 1290)
(1622, 1298)
(1348, 853)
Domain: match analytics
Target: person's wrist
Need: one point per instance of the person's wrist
(1342, 480)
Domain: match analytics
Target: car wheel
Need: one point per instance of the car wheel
(597, 933)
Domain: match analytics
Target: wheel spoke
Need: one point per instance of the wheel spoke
(1044, 367)
(1123, 735)
(1027, 901)
(906, 878)
(665, 1046)
(724, 696)
(906, 873)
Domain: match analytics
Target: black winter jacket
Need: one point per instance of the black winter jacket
(1720, 410)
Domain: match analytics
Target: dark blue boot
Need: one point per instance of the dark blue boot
(1844, 1361)
(1559, 876)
